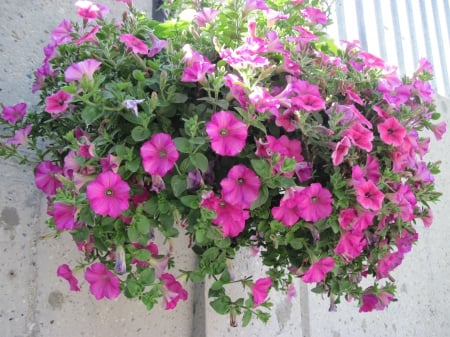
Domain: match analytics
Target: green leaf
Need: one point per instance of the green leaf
(142, 224)
(179, 185)
(199, 160)
(142, 255)
(246, 318)
(191, 201)
(179, 98)
(217, 285)
(262, 197)
(151, 206)
(133, 234)
(183, 145)
(221, 305)
(147, 276)
(123, 152)
(138, 75)
(139, 133)
(133, 288)
(90, 114)
(262, 168)
(81, 234)
(133, 166)
(297, 243)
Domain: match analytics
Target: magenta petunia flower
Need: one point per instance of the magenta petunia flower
(197, 72)
(392, 132)
(159, 154)
(314, 202)
(108, 194)
(388, 263)
(65, 272)
(205, 16)
(78, 70)
(14, 113)
(315, 15)
(318, 270)
(89, 37)
(360, 136)
(45, 179)
(87, 10)
(241, 186)
(227, 133)
(58, 102)
(260, 290)
(103, 283)
(287, 213)
(136, 45)
(369, 196)
(64, 216)
(350, 245)
(157, 45)
(377, 301)
(172, 291)
(20, 136)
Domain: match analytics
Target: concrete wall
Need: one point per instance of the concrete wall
(34, 302)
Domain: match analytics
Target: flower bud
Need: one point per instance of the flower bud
(120, 267)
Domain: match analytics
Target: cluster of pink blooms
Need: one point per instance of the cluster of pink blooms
(376, 203)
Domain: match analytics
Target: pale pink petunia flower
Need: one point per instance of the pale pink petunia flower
(65, 272)
(132, 104)
(108, 194)
(260, 290)
(172, 291)
(205, 16)
(45, 179)
(159, 154)
(13, 113)
(103, 283)
(135, 44)
(58, 102)
(315, 15)
(20, 136)
(157, 45)
(65, 216)
(369, 196)
(439, 130)
(392, 132)
(340, 151)
(84, 69)
(227, 133)
(241, 186)
(87, 10)
(318, 270)
(314, 202)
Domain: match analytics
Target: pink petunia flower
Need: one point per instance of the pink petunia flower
(314, 202)
(62, 33)
(87, 10)
(369, 196)
(110, 163)
(439, 130)
(13, 113)
(318, 270)
(392, 132)
(65, 272)
(159, 154)
(80, 70)
(287, 213)
(58, 102)
(227, 133)
(260, 290)
(388, 263)
(172, 291)
(64, 216)
(20, 136)
(45, 179)
(197, 72)
(136, 45)
(108, 194)
(89, 37)
(241, 186)
(103, 283)
(350, 245)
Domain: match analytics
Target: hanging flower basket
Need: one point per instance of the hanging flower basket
(236, 124)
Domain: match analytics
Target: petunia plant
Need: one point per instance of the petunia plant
(234, 124)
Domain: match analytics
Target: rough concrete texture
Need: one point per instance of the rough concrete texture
(35, 303)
